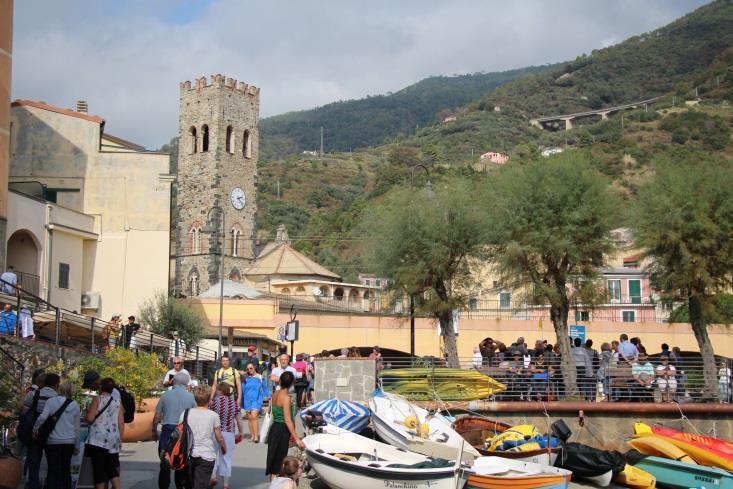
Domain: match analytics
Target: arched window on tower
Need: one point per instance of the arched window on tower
(246, 144)
(194, 284)
(192, 140)
(204, 138)
(236, 241)
(195, 240)
(230, 139)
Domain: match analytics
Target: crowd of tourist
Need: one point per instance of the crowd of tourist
(621, 371)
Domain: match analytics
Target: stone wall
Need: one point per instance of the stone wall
(351, 379)
(40, 354)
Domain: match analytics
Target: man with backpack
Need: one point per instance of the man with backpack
(32, 408)
(227, 375)
(168, 412)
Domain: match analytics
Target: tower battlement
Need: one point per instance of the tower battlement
(220, 81)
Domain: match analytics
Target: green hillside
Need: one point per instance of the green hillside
(322, 199)
(669, 60)
(353, 124)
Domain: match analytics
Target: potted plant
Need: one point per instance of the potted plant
(11, 467)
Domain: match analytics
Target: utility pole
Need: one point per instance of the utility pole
(278, 190)
(674, 100)
(321, 141)
(697, 94)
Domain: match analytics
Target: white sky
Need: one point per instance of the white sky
(126, 57)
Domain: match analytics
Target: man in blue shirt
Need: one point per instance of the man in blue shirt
(8, 320)
(10, 280)
(168, 411)
(626, 349)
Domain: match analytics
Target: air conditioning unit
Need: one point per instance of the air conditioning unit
(90, 300)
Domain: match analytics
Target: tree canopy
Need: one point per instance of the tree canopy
(685, 222)
(551, 230)
(423, 241)
(164, 313)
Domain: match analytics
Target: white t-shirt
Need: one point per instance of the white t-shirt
(203, 422)
(278, 371)
(173, 372)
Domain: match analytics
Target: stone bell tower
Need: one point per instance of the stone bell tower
(217, 173)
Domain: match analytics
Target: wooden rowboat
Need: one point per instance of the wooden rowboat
(475, 430)
(499, 473)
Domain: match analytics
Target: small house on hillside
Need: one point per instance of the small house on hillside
(494, 157)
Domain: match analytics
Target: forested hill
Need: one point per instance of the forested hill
(672, 60)
(353, 124)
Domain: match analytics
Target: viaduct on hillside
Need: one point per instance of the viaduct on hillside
(542, 122)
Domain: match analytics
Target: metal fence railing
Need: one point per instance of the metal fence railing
(629, 312)
(529, 380)
(65, 328)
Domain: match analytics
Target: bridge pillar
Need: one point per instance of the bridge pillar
(568, 123)
(535, 123)
(604, 116)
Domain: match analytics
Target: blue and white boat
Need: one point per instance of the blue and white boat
(347, 415)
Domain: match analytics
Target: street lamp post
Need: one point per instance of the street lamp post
(221, 271)
(429, 189)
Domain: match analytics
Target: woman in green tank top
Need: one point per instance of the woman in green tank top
(278, 438)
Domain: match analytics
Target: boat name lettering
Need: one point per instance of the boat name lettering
(401, 485)
(705, 479)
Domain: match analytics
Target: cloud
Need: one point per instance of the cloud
(127, 58)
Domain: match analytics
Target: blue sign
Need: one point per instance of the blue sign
(577, 331)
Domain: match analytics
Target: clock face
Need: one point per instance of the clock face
(237, 198)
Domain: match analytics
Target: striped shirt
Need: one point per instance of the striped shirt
(228, 411)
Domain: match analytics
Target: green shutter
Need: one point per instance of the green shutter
(635, 291)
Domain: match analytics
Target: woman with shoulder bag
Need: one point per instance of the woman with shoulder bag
(106, 427)
(57, 428)
(229, 415)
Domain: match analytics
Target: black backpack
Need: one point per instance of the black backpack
(28, 419)
(128, 403)
(46, 428)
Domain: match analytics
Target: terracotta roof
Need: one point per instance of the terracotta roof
(281, 259)
(58, 110)
(633, 258)
(122, 142)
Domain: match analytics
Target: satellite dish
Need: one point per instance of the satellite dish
(317, 292)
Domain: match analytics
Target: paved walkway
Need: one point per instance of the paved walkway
(139, 463)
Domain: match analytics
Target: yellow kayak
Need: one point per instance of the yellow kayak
(448, 384)
(636, 478)
(649, 444)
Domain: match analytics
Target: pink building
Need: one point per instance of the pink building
(493, 157)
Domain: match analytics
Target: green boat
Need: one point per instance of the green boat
(671, 473)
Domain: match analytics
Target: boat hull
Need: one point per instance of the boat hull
(671, 473)
(448, 384)
(659, 447)
(533, 482)
(351, 476)
(388, 414)
(498, 473)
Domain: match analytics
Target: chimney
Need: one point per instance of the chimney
(81, 106)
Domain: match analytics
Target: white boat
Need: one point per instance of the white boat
(394, 419)
(499, 473)
(349, 461)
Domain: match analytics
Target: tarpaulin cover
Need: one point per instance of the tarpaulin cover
(585, 461)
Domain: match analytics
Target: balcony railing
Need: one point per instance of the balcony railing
(480, 308)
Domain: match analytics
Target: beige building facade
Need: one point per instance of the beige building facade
(64, 158)
(6, 61)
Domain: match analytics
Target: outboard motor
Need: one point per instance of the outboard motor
(561, 430)
(314, 421)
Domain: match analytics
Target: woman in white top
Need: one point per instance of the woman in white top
(106, 426)
(205, 426)
(724, 376)
(63, 442)
(666, 379)
(289, 474)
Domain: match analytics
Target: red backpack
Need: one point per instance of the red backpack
(178, 452)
